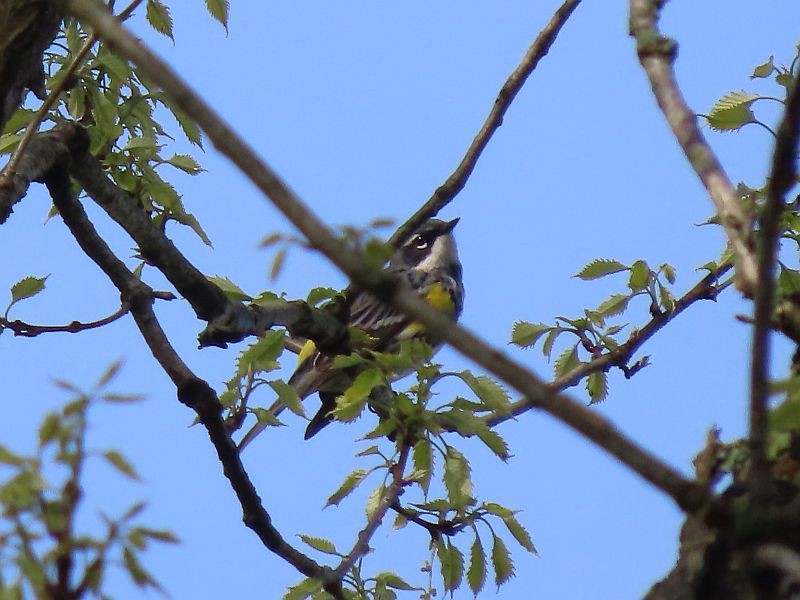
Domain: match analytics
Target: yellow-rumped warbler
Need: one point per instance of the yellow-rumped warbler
(427, 264)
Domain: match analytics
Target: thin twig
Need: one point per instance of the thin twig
(24, 329)
(593, 426)
(445, 193)
(782, 178)
(656, 54)
(388, 499)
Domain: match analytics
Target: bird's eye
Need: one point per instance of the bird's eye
(420, 243)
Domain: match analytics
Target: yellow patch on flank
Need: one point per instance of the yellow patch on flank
(309, 348)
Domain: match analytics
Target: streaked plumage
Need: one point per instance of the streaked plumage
(428, 264)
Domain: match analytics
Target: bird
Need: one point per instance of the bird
(426, 264)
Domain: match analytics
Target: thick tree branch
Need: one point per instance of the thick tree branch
(782, 178)
(656, 54)
(445, 193)
(192, 391)
(602, 432)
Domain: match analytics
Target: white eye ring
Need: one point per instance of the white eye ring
(420, 244)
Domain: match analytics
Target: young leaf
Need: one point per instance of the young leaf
(526, 334)
(501, 560)
(732, 112)
(615, 305)
(185, 163)
(669, 272)
(120, 463)
(320, 544)
(289, 396)
(135, 569)
(567, 361)
(350, 483)
(423, 464)
(520, 534)
(494, 442)
(488, 391)
(452, 563)
(219, 10)
(350, 404)
(159, 18)
(640, 276)
(597, 386)
(373, 501)
(230, 289)
(393, 580)
(457, 477)
(547, 347)
(600, 267)
(26, 288)
(764, 70)
(476, 575)
(277, 263)
(303, 590)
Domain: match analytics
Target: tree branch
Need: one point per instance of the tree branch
(192, 391)
(656, 54)
(445, 193)
(687, 494)
(782, 178)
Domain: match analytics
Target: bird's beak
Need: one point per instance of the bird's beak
(448, 227)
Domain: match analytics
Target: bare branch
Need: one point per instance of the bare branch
(593, 426)
(656, 54)
(445, 193)
(782, 178)
(192, 391)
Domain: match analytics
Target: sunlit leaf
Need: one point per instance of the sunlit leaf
(320, 544)
(600, 267)
(159, 18)
(350, 483)
(288, 395)
(732, 111)
(501, 561)
(119, 462)
(526, 334)
(219, 10)
(476, 574)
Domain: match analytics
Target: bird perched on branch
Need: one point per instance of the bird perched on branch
(426, 264)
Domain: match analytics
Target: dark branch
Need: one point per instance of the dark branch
(782, 178)
(445, 193)
(192, 391)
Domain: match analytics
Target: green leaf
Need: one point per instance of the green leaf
(185, 163)
(19, 120)
(615, 305)
(288, 395)
(567, 361)
(520, 534)
(320, 544)
(161, 535)
(373, 501)
(27, 288)
(423, 464)
(49, 429)
(351, 482)
(732, 111)
(457, 477)
(501, 561)
(265, 416)
(452, 564)
(350, 404)
(219, 10)
(230, 289)
(277, 263)
(159, 18)
(8, 142)
(494, 442)
(665, 297)
(261, 355)
(640, 276)
(547, 347)
(304, 589)
(135, 569)
(597, 386)
(600, 267)
(526, 334)
(763, 70)
(476, 575)
(119, 462)
(9, 458)
(393, 580)
(488, 391)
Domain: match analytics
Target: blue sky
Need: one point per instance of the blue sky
(365, 108)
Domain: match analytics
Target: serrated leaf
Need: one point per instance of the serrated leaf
(351, 482)
(665, 298)
(501, 561)
(373, 501)
(350, 404)
(26, 288)
(639, 277)
(615, 305)
(494, 442)
(423, 464)
(185, 163)
(187, 125)
(525, 334)
(732, 111)
(669, 272)
(476, 575)
(600, 267)
(219, 10)
(764, 70)
(304, 589)
(229, 288)
(265, 416)
(320, 544)
(159, 18)
(452, 564)
(547, 347)
(491, 393)
(457, 477)
(520, 534)
(288, 395)
(597, 386)
(119, 462)
(393, 580)
(261, 355)
(566, 361)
